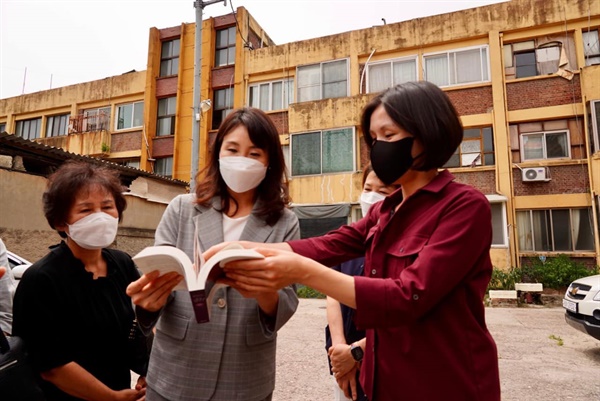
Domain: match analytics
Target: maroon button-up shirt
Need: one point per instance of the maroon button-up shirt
(427, 267)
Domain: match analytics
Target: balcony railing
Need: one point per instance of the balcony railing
(89, 123)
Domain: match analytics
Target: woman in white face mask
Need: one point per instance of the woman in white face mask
(71, 306)
(344, 342)
(241, 195)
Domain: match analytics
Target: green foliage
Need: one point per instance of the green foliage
(307, 292)
(559, 341)
(555, 273)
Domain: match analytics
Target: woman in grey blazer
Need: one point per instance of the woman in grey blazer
(243, 195)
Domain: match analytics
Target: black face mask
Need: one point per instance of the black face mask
(391, 160)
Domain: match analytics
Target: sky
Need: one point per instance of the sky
(46, 44)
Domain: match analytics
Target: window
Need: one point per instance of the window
(545, 145)
(323, 81)
(476, 149)
(457, 67)
(268, 96)
(225, 47)
(323, 152)
(134, 163)
(555, 230)
(529, 60)
(165, 124)
(2, 127)
(223, 105)
(130, 115)
(591, 47)
(29, 129)
(164, 167)
(594, 129)
(169, 58)
(96, 119)
(386, 74)
(57, 125)
(499, 235)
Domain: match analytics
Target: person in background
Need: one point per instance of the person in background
(242, 194)
(345, 343)
(7, 286)
(70, 307)
(427, 259)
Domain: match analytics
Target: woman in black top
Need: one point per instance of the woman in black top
(70, 307)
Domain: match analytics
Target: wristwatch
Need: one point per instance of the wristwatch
(357, 352)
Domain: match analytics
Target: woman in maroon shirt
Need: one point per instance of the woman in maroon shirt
(427, 262)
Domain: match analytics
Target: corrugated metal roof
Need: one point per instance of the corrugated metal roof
(43, 159)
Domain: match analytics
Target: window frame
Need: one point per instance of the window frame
(286, 98)
(544, 145)
(38, 129)
(594, 129)
(479, 161)
(170, 117)
(170, 58)
(218, 112)
(485, 74)
(320, 132)
(63, 121)
(102, 118)
(158, 163)
(2, 127)
(391, 63)
(321, 83)
(549, 232)
(226, 48)
(591, 58)
(500, 200)
(133, 113)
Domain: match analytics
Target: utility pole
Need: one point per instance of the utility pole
(197, 112)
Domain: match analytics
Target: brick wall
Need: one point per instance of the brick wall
(162, 146)
(222, 77)
(126, 141)
(565, 180)
(485, 181)
(472, 100)
(166, 87)
(552, 91)
(280, 120)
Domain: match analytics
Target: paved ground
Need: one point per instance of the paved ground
(534, 366)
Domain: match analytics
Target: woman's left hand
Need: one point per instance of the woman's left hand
(342, 361)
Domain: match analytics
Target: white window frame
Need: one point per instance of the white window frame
(133, 111)
(484, 67)
(544, 146)
(95, 119)
(391, 63)
(320, 83)
(50, 125)
(287, 94)
(291, 150)
(591, 46)
(500, 199)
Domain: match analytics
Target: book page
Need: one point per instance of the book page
(166, 259)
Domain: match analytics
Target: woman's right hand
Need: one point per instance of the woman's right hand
(151, 290)
(130, 395)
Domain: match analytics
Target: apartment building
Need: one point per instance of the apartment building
(524, 76)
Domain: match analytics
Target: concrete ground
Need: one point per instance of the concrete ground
(540, 356)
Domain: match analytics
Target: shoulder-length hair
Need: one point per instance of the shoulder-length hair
(273, 191)
(69, 181)
(424, 111)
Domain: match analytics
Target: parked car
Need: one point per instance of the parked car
(17, 264)
(582, 305)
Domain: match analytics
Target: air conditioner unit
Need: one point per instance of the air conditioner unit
(535, 174)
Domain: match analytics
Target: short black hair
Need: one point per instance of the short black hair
(426, 112)
(72, 178)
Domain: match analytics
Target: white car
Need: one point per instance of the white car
(17, 264)
(582, 305)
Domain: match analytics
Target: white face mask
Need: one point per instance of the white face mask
(241, 174)
(94, 231)
(368, 199)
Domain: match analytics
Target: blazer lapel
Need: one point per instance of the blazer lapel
(256, 230)
(209, 224)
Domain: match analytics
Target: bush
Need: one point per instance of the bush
(555, 273)
(307, 292)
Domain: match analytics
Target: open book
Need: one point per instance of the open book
(198, 277)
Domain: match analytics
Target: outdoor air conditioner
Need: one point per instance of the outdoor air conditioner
(535, 174)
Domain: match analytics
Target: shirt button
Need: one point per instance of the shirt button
(374, 271)
(221, 303)
(416, 297)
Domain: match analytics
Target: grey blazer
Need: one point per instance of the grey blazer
(232, 357)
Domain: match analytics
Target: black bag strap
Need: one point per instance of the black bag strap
(4, 345)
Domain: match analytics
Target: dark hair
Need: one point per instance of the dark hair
(368, 169)
(70, 180)
(424, 111)
(273, 190)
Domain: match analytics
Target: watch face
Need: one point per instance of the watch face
(357, 353)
